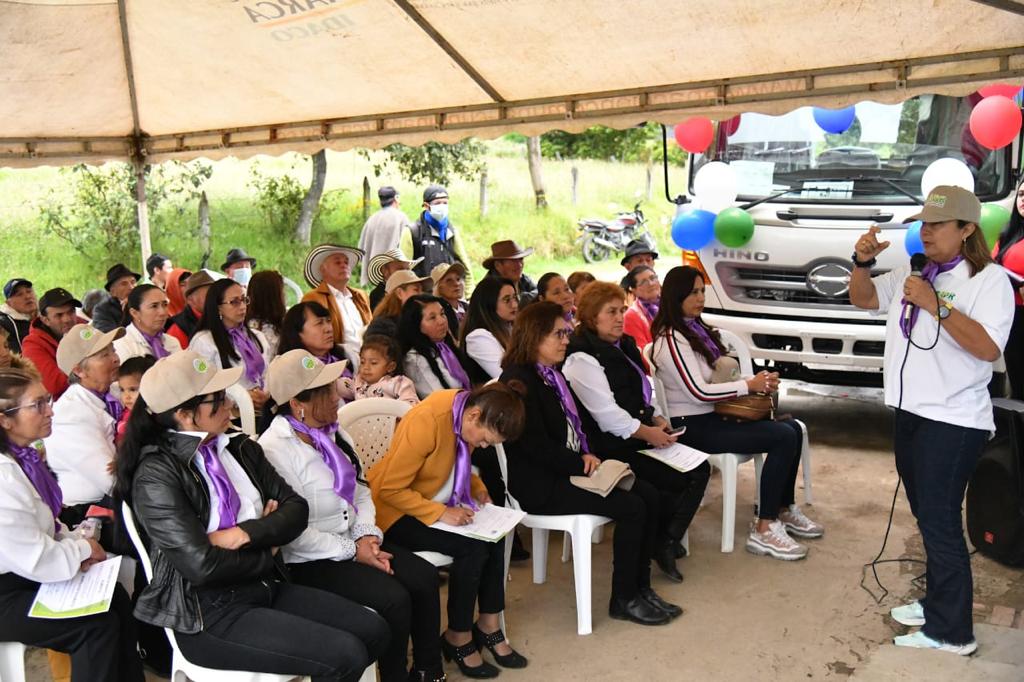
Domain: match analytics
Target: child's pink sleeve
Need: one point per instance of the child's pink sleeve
(345, 389)
(122, 425)
(405, 390)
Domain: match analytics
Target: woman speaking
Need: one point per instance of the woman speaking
(946, 324)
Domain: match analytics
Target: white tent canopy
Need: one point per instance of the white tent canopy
(93, 80)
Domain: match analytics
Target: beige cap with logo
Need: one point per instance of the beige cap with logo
(81, 342)
(297, 371)
(948, 202)
(403, 277)
(181, 376)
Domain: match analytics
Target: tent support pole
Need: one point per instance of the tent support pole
(142, 207)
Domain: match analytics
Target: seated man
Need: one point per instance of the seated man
(56, 318)
(120, 282)
(185, 324)
(506, 262)
(17, 312)
(328, 268)
(381, 267)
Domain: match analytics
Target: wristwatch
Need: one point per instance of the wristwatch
(945, 308)
(865, 264)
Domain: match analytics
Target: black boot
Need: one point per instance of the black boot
(680, 550)
(665, 557)
(673, 610)
(637, 610)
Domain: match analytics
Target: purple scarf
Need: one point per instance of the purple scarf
(553, 378)
(156, 343)
(462, 493)
(650, 309)
(452, 364)
(336, 460)
(702, 333)
(41, 477)
(112, 405)
(246, 347)
(645, 383)
(228, 503)
(568, 317)
(331, 357)
(931, 271)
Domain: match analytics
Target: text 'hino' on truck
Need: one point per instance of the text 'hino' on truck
(786, 292)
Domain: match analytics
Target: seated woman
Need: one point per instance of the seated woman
(340, 550)
(553, 287)
(641, 283)
(145, 317)
(35, 547)
(225, 340)
(450, 286)
(400, 287)
(429, 356)
(215, 513)
(606, 372)
(685, 351)
(554, 447)
(307, 326)
(176, 290)
(266, 306)
(492, 310)
(426, 477)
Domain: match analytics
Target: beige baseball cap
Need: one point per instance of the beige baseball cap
(296, 371)
(81, 342)
(181, 376)
(948, 202)
(403, 277)
(438, 272)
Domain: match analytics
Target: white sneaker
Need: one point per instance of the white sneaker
(919, 640)
(775, 543)
(798, 524)
(911, 614)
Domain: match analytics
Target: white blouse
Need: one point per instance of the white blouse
(81, 446)
(588, 381)
(132, 345)
(417, 369)
(483, 347)
(686, 378)
(203, 344)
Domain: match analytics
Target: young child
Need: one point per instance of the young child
(380, 373)
(129, 375)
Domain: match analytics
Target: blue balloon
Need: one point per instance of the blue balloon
(913, 239)
(693, 229)
(834, 120)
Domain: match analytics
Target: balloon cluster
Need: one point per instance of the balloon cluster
(716, 187)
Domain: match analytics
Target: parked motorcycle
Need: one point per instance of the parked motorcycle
(601, 238)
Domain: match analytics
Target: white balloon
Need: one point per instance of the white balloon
(716, 185)
(946, 171)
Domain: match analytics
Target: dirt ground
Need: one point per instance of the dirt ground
(754, 618)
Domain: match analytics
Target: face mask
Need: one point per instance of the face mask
(242, 275)
(439, 211)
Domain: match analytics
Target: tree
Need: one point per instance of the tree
(311, 202)
(533, 156)
(433, 161)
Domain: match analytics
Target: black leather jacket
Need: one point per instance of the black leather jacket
(172, 504)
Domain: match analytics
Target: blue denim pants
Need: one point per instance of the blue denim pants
(935, 461)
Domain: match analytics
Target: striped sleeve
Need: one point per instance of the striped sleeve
(687, 366)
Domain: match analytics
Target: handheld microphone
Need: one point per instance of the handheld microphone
(917, 263)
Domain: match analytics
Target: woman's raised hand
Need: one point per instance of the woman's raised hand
(868, 246)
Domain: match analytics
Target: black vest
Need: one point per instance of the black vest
(429, 247)
(187, 321)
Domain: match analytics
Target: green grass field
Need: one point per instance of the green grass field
(30, 251)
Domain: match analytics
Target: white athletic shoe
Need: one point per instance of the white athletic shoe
(911, 614)
(798, 524)
(919, 640)
(774, 542)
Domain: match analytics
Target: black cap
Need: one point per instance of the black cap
(55, 298)
(13, 284)
(637, 247)
(386, 194)
(117, 272)
(434, 192)
(237, 256)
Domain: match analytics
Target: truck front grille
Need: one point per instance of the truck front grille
(776, 286)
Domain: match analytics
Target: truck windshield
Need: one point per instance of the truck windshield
(887, 145)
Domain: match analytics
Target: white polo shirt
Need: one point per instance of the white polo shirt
(946, 383)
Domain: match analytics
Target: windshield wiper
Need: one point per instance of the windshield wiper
(869, 178)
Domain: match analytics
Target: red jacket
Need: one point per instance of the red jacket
(40, 346)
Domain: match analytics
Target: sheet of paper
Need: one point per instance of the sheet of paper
(86, 594)
(827, 190)
(678, 456)
(490, 523)
(755, 178)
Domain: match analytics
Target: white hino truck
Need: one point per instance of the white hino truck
(786, 292)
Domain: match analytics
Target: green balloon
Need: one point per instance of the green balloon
(993, 219)
(734, 227)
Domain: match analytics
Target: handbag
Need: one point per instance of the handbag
(753, 407)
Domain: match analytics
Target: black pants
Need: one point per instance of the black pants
(635, 513)
(409, 601)
(286, 629)
(476, 575)
(102, 647)
(1014, 355)
(935, 461)
(782, 441)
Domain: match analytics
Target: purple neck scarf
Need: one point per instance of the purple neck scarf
(112, 405)
(650, 309)
(250, 352)
(702, 333)
(553, 378)
(156, 343)
(228, 503)
(41, 477)
(336, 460)
(928, 274)
(452, 364)
(462, 493)
(331, 357)
(568, 317)
(645, 384)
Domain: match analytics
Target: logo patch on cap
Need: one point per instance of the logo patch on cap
(937, 200)
(308, 363)
(200, 366)
(86, 333)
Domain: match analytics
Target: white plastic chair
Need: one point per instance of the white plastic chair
(370, 423)
(246, 411)
(12, 662)
(580, 528)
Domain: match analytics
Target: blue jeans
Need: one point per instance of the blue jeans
(935, 461)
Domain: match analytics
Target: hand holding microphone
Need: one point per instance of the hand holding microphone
(916, 291)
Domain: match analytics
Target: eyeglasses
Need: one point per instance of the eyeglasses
(507, 300)
(237, 302)
(39, 405)
(563, 333)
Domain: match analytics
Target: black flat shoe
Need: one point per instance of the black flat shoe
(673, 610)
(519, 552)
(427, 676)
(637, 610)
(680, 550)
(481, 672)
(482, 639)
(665, 557)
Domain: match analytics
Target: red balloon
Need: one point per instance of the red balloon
(694, 135)
(731, 125)
(1005, 89)
(995, 121)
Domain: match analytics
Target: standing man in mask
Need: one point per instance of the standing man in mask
(433, 239)
(238, 265)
